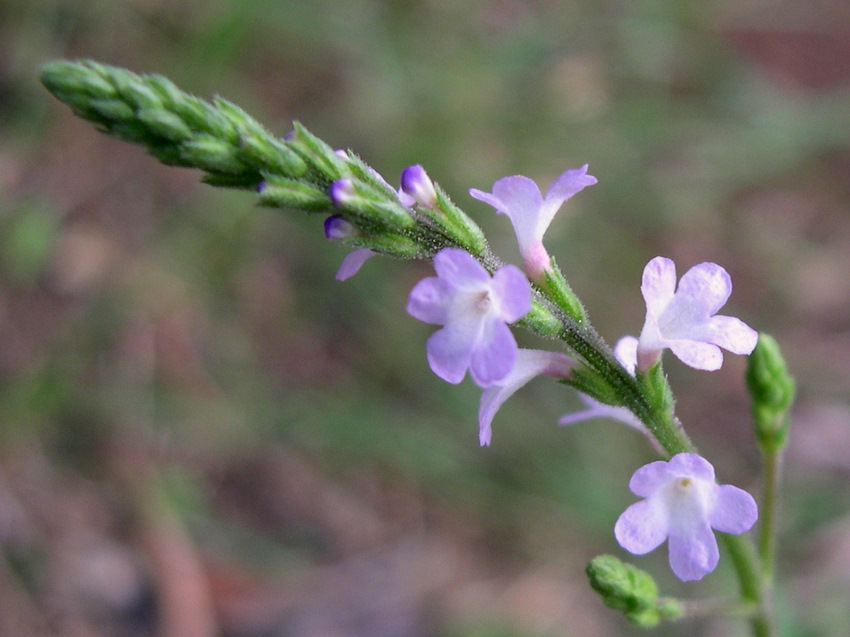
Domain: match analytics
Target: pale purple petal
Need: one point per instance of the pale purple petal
(529, 363)
(732, 334)
(693, 551)
(519, 195)
(489, 199)
(519, 198)
(642, 527)
(429, 301)
(595, 409)
(735, 510)
(698, 355)
(449, 352)
(352, 263)
(658, 284)
(461, 268)
(511, 288)
(692, 465)
(564, 187)
(649, 478)
(707, 287)
(493, 353)
(570, 183)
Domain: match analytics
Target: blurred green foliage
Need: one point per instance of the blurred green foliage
(139, 307)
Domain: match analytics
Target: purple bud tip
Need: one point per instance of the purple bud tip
(338, 229)
(342, 191)
(262, 186)
(416, 183)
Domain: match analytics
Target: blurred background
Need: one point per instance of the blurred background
(203, 433)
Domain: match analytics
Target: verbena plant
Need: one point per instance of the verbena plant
(476, 299)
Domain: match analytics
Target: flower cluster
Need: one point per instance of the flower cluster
(475, 307)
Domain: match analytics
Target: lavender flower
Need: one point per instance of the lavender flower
(529, 363)
(682, 505)
(530, 213)
(416, 183)
(684, 319)
(474, 310)
(338, 229)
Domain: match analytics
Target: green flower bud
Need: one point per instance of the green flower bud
(627, 588)
(282, 192)
(771, 390)
(321, 157)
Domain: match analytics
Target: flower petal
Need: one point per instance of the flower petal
(519, 198)
(693, 551)
(569, 183)
(352, 263)
(529, 363)
(650, 477)
(658, 284)
(732, 334)
(429, 301)
(705, 288)
(461, 268)
(735, 510)
(698, 355)
(692, 465)
(512, 290)
(595, 409)
(449, 351)
(642, 527)
(493, 354)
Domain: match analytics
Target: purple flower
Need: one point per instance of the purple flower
(474, 310)
(530, 213)
(342, 191)
(416, 183)
(529, 363)
(682, 505)
(338, 229)
(684, 319)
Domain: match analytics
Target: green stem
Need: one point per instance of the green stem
(754, 587)
(767, 536)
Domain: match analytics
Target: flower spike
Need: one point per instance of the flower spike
(685, 319)
(530, 213)
(682, 505)
(474, 309)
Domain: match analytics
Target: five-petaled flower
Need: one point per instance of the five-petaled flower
(684, 319)
(474, 309)
(530, 213)
(682, 504)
